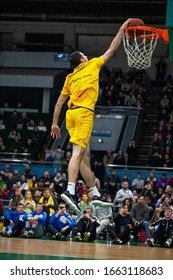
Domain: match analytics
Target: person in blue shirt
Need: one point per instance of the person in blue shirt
(35, 223)
(60, 223)
(14, 221)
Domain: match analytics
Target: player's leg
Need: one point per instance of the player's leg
(73, 171)
(86, 173)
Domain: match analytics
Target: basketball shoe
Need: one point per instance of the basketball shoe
(69, 199)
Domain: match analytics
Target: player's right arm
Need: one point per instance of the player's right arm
(55, 130)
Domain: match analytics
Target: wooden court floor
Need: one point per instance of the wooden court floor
(24, 249)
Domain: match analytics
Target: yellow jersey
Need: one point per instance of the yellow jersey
(82, 86)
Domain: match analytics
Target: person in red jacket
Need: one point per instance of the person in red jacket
(4, 192)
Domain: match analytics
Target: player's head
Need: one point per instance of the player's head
(76, 58)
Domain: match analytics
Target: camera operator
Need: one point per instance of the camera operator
(86, 226)
(60, 223)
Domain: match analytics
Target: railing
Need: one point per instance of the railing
(14, 157)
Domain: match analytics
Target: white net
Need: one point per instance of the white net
(139, 50)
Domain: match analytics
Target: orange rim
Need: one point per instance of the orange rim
(154, 32)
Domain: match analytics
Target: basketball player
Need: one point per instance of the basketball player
(81, 87)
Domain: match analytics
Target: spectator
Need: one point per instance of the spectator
(170, 182)
(4, 192)
(127, 202)
(167, 161)
(86, 226)
(16, 174)
(120, 99)
(14, 223)
(33, 183)
(16, 198)
(151, 179)
(155, 160)
(108, 157)
(59, 183)
(2, 125)
(158, 212)
(47, 179)
(156, 144)
(37, 195)
(13, 133)
(162, 182)
(49, 203)
(104, 216)
(120, 233)
(113, 183)
(28, 202)
(37, 134)
(130, 99)
(123, 193)
(160, 71)
(3, 115)
(140, 217)
(17, 144)
(28, 172)
(14, 117)
(138, 183)
(10, 181)
(81, 189)
(42, 128)
(125, 87)
(163, 230)
(35, 223)
(132, 153)
(58, 154)
(151, 204)
(148, 191)
(23, 184)
(84, 203)
(120, 158)
(60, 223)
(31, 124)
(126, 178)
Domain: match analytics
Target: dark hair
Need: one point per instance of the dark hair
(75, 59)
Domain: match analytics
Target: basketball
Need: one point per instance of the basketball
(135, 22)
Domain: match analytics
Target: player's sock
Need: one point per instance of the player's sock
(95, 191)
(71, 188)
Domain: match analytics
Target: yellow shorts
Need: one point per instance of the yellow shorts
(79, 123)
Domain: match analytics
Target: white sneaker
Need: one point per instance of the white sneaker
(168, 242)
(67, 198)
(3, 231)
(9, 233)
(103, 204)
(150, 242)
(78, 237)
(86, 236)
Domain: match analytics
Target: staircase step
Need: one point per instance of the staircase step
(149, 125)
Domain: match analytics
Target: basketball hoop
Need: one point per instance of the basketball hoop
(139, 43)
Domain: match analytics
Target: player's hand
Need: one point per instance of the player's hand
(55, 131)
(125, 24)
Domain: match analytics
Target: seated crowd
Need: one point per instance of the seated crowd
(138, 209)
(22, 134)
